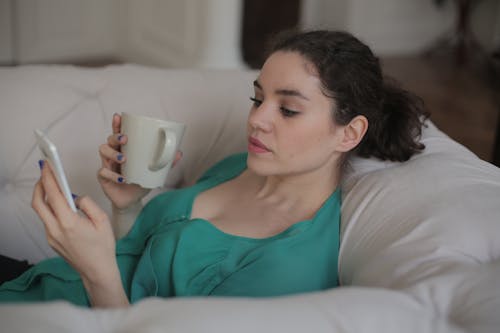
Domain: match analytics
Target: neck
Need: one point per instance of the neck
(306, 190)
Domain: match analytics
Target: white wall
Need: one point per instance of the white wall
(207, 33)
(172, 33)
(182, 33)
(398, 26)
(6, 49)
(394, 27)
(58, 30)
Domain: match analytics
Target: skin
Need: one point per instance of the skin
(82, 238)
(292, 117)
(285, 185)
(120, 194)
(303, 139)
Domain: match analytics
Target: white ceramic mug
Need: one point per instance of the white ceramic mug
(150, 149)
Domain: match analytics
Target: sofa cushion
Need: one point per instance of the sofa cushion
(405, 222)
(401, 222)
(75, 107)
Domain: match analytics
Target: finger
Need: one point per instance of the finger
(55, 198)
(92, 210)
(116, 123)
(43, 210)
(178, 157)
(117, 140)
(105, 173)
(107, 152)
(107, 163)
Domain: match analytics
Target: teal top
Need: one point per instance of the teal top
(166, 253)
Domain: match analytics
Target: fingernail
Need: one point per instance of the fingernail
(40, 164)
(74, 196)
(120, 179)
(120, 137)
(119, 157)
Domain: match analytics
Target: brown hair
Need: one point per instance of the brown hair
(351, 74)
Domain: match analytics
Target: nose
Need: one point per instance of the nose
(261, 118)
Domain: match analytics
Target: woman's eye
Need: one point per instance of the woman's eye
(256, 102)
(288, 113)
(284, 111)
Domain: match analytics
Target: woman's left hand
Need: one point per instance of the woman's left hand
(86, 240)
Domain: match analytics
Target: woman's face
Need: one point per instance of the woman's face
(290, 126)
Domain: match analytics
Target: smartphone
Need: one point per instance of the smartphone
(49, 153)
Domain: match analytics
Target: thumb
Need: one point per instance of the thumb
(92, 210)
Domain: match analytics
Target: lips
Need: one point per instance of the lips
(255, 146)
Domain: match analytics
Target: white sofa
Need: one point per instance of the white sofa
(420, 242)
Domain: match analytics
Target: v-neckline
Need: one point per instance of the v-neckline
(221, 178)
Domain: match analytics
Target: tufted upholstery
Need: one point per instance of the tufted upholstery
(420, 240)
(75, 107)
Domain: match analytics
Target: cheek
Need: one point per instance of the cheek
(302, 143)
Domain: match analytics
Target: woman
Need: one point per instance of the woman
(262, 223)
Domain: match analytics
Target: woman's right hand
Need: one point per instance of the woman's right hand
(113, 184)
(122, 195)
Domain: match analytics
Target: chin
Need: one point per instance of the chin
(261, 166)
(258, 165)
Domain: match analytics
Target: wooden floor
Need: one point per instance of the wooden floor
(460, 98)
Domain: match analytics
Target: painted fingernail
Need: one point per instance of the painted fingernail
(40, 164)
(120, 137)
(120, 179)
(74, 196)
(119, 157)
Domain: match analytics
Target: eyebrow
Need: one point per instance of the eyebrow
(284, 92)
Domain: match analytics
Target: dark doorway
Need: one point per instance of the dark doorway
(261, 20)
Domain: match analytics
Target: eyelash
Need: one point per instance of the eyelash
(284, 111)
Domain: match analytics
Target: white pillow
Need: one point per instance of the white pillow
(404, 222)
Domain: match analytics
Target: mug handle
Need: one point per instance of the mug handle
(166, 153)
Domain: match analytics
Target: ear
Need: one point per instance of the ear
(353, 133)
